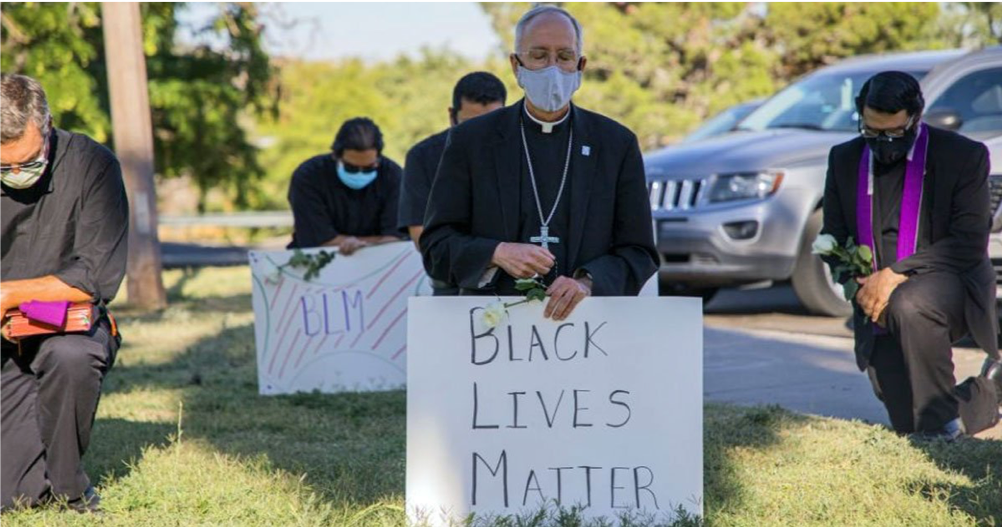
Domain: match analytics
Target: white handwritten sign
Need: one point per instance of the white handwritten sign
(343, 330)
(602, 410)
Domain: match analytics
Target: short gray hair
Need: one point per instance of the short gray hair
(543, 9)
(21, 99)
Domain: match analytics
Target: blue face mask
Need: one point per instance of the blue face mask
(355, 180)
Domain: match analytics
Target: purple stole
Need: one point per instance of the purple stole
(911, 200)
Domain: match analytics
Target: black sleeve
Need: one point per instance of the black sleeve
(314, 225)
(390, 206)
(966, 243)
(100, 246)
(834, 222)
(632, 258)
(414, 189)
(450, 252)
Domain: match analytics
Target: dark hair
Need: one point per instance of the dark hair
(891, 92)
(479, 87)
(359, 133)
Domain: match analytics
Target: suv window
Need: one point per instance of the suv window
(977, 99)
(825, 101)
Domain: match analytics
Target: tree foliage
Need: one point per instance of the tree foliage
(660, 68)
(198, 94)
(973, 23)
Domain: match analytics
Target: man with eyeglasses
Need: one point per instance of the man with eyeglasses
(64, 224)
(542, 188)
(918, 197)
(347, 199)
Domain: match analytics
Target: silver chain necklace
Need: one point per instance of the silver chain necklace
(544, 237)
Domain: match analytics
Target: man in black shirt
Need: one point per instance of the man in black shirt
(64, 228)
(347, 199)
(474, 95)
(918, 196)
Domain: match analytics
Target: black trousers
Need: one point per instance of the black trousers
(911, 368)
(48, 397)
(440, 288)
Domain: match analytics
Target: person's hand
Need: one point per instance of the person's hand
(565, 293)
(5, 328)
(5, 306)
(523, 260)
(876, 290)
(350, 244)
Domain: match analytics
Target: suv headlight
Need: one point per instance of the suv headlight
(737, 187)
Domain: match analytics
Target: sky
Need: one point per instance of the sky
(371, 31)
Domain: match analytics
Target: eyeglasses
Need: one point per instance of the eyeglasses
(895, 133)
(566, 59)
(31, 165)
(355, 169)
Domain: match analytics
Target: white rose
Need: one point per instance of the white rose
(824, 244)
(493, 314)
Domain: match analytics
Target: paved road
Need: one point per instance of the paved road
(762, 347)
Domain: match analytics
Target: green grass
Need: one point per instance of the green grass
(183, 438)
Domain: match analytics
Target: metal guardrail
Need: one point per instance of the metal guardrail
(278, 218)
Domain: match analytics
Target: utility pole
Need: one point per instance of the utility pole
(133, 129)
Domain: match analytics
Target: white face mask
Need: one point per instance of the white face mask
(550, 88)
(26, 174)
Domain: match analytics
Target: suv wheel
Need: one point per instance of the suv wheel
(812, 280)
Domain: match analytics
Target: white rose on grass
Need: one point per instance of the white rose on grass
(824, 244)
(493, 314)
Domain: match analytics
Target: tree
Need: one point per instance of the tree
(199, 94)
(130, 117)
(972, 24)
(55, 44)
(811, 35)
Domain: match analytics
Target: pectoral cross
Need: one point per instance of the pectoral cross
(544, 237)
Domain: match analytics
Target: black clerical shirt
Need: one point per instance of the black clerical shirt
(548, 152)
(73, 223)
(419, 173)
(323, 207)
(888, 186)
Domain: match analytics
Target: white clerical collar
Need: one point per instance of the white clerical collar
(547, 127)
(911, 151)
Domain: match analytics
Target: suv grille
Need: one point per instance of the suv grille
(995, 194)
(675, 194)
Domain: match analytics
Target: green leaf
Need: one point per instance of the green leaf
(525, 284)
(865, 253)
(298, 259)
(312, 263)
(850, 288)
(855, 259)
(841, 253)
(536, 294)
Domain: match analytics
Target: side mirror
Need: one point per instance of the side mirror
(946, 118)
